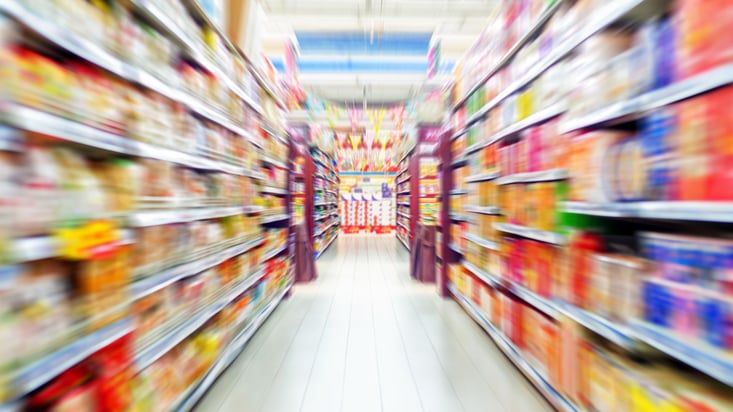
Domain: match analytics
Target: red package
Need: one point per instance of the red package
(114, 368)
(580, 249)
(515, 321)
(68, 388)
(706, 41)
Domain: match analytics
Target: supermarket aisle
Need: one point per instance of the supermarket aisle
(364, 337)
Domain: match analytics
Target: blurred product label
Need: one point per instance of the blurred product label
(92, 239)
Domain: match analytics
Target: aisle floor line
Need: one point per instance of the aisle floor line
(434, 382)
(296, 366)
(503, 378)
(398, 383)
(361, 377)
(330, 357)
(274, 328)
(366, 337)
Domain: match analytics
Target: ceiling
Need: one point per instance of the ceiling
(375, 50)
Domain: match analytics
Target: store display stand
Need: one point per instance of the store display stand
(412, 190)
(404, 209)
(322, 189)
(445, 256)
(200, 232)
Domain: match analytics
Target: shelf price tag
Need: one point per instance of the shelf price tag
(92, 239)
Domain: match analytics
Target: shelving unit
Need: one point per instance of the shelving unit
(405, 204)
(418, 191)
(524, 207)
(322, 195)
(157, 230)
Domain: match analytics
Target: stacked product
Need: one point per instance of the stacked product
(353, 213)
(367, 204)
(429, 206)
(129, 213)
(561, 127)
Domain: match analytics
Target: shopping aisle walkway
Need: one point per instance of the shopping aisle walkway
(365, 337)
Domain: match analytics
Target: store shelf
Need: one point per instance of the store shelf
(274, 218)
(150, 354)
(192, 395)
(516, 47)
(37, 121)
(402, 225)
(599, 20)
(458, 218)
(37, 373)
(407, 153)
(544, 305)
(533, 177)
(195, 6)
(690, 211)
(274, 162)
(320, 252)
(461, 160)
(483, 210)
(152, 284)
(274, 190)
(267, 87)
(28, 249)
(407, 215)
(165, 217)
(274, 252)
(485, 277)
(162, 20)
(619, 334)
(514, 355)
(455, 248)
(324, 177)
(270, 130)
(253, 209)
(322, 231)
(700, 355)
(531, 233)
(637, 106)
(404, 242)
(403, 192)
(483, 177)
(485, 243)
(325, 203)
(402, 180)
(91, 52)
(540, 117)
(325, 216)
(403, 204)
(459, 192)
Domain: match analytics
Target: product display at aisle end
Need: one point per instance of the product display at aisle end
(145, 236)
(367, 202)
(581, 153)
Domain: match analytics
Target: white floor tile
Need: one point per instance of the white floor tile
(365, 337)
